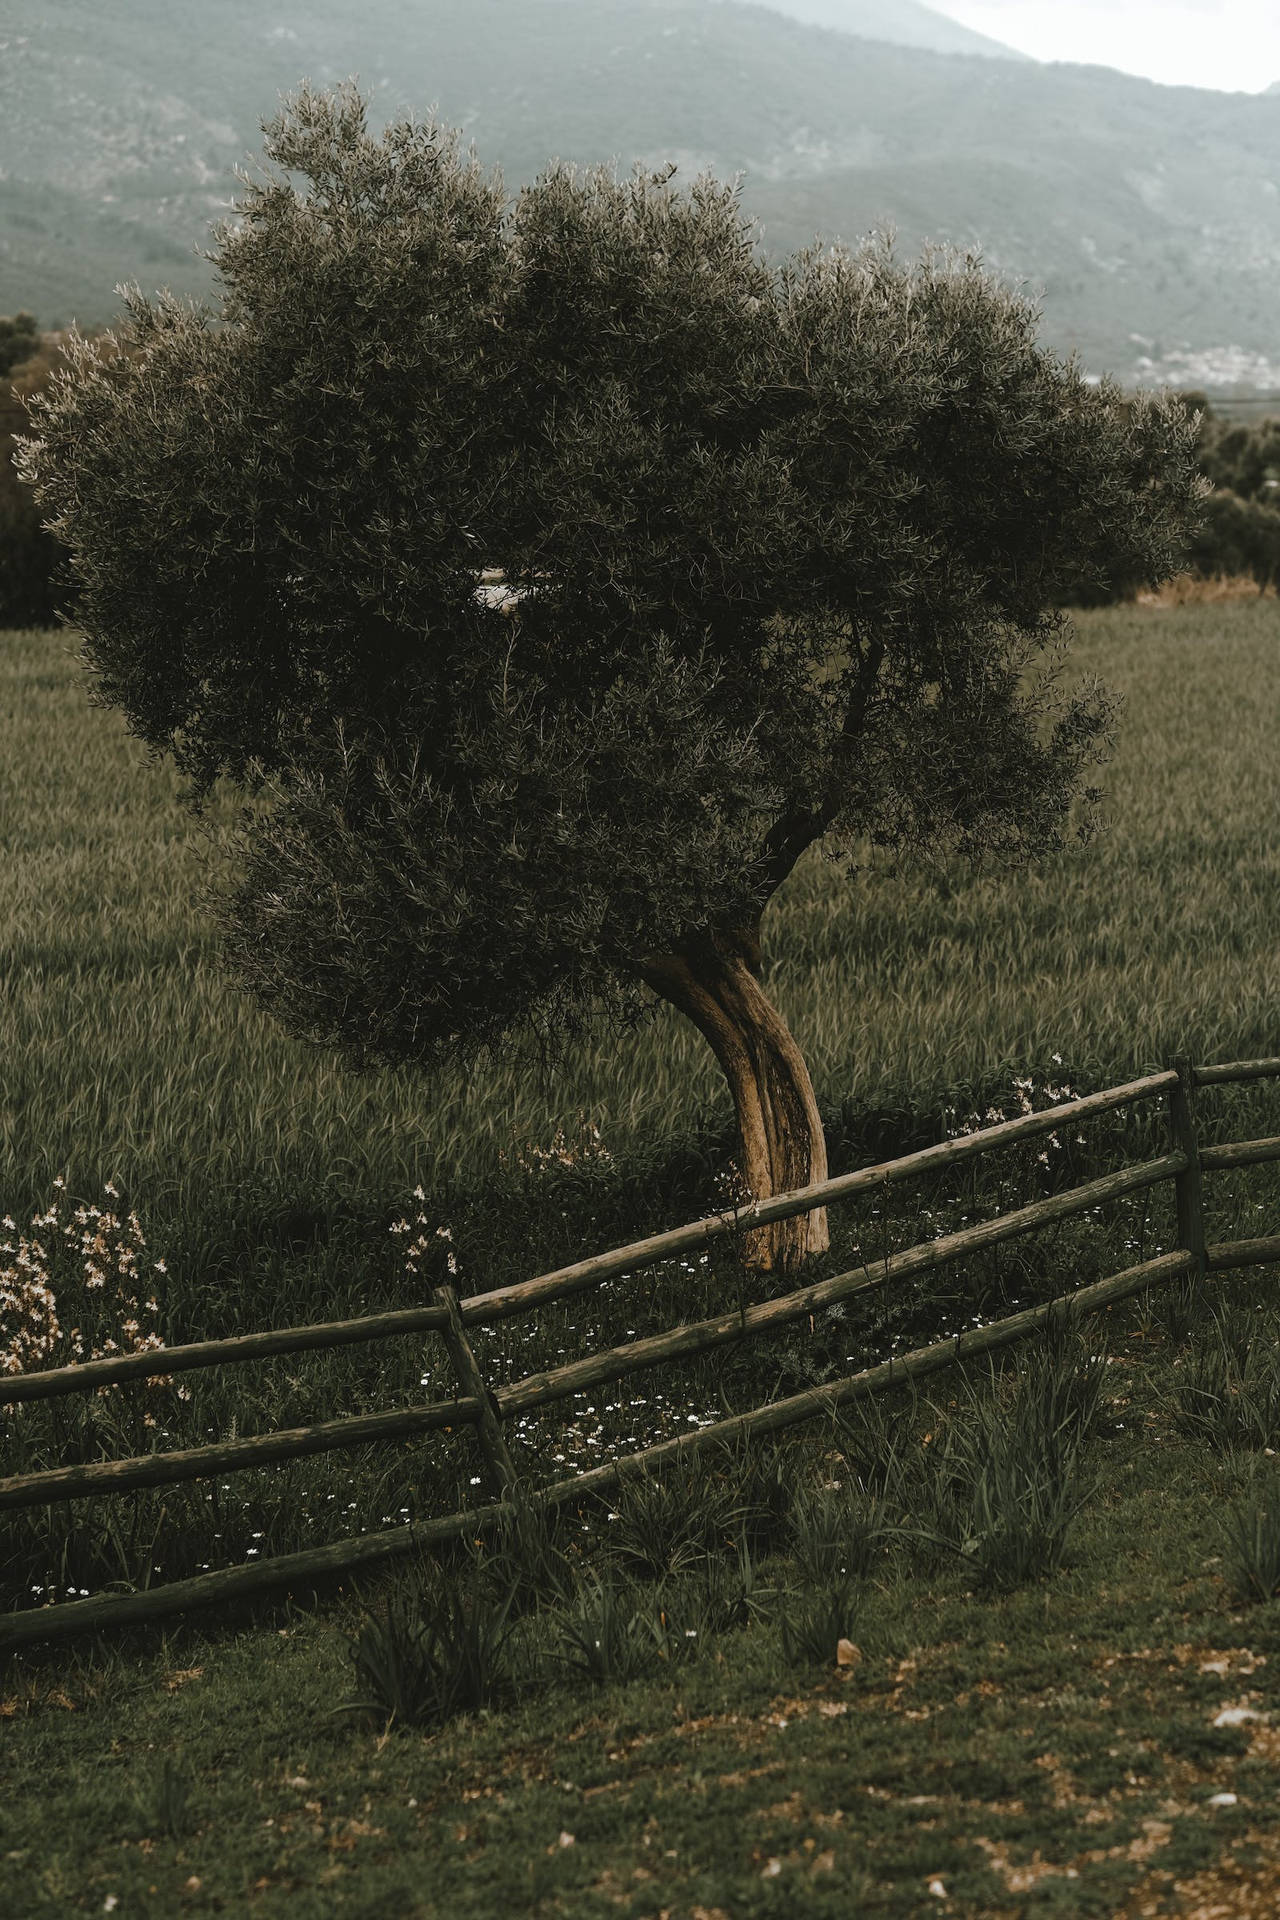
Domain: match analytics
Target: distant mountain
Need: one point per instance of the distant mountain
(903, 23)
(1149, 216)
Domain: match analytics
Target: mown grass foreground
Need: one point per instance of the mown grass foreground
(1101, 1741)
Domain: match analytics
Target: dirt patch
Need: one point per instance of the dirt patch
(1229, 1891)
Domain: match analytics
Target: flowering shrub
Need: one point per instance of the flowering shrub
(28, 1310)
(75, 1287)
(585, 1150)
(732, 1189)
(1027, 1097)
(433, 1249)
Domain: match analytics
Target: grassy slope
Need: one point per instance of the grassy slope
(1050, 1750)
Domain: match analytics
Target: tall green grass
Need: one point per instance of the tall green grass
(126, 1054)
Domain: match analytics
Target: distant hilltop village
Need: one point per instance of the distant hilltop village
(1215, 369)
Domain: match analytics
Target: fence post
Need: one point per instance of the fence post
(1187, 1185)
(502, 1468)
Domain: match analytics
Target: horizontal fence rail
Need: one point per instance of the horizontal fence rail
(1243, 1253)
(227, 1456)
(1235, 1070)
(1245, 1153)
(779, 1414)
(476, 1405)
(87, 1375)
(230, 1585)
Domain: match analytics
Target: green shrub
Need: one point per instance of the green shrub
(30, 558)
(19, 339)
(1253, 1547)
(837, 1533)
(603, 1636)
(1228, 1390)
(811, 1624)
(1239, 536)
(433, 1652)
(1007, 1472)
(666, 1521)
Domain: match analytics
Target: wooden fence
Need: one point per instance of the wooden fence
(487, 1410)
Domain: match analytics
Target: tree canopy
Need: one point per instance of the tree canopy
(554, 572)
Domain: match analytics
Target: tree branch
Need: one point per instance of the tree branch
(795, 832)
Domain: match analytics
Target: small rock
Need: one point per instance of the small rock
(1236, 1716)
(937, 1889)
(1222, 1800)
(847, 1655)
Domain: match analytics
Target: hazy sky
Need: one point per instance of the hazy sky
(1194, 43)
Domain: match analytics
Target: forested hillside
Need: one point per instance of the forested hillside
(1149, 216)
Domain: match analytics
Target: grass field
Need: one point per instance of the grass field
(125, 1055)
(1047, 1749)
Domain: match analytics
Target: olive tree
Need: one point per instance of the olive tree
(553, 573)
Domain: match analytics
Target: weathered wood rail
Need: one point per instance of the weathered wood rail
(479, 1406)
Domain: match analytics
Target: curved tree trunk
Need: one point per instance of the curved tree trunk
(716, 985)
